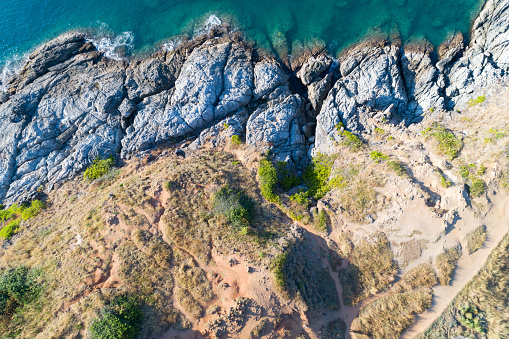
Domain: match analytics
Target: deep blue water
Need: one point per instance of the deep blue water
(282, 25)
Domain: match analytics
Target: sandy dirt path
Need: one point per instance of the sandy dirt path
(497, 222)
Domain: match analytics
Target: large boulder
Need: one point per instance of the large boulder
(371, 83)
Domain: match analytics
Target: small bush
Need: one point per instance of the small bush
(378, 156)
(236, 140)
(12, 212)
(286, 179)
(35, 207)
(352, 141)
(278, 270)
(235, 205)
(445, 182)
(316, 175)
(476, 239)
(448, 144)
(267, 175)
(479, 100)
(470, 317)
(18, 286)
(99, 167)
(446, 263)
(119, 320)
(379, 131)
(321, 221)
(301, 198)
(478, 187)
(9, 230)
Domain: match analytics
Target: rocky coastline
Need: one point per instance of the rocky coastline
(70, 104)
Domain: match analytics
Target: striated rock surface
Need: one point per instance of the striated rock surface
(70, 104)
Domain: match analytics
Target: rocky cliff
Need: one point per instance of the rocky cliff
(70, 104)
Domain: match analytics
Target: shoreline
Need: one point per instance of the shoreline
(107, 42)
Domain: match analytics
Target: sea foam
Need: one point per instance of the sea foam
(115, 48)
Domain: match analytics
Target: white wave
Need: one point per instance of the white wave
(172, 44)
(111, 47)
(10, 69)
(211, 22)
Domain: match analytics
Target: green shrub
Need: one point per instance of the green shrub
(99, 167)
(278, 270)
(236, 140)
(472, 318)
(316, 175)
(444, 182)
(479, 100)
(378, 156)
(286, 179)
(302, 198)
(379, 131)
(35, 207)
(18, 286)
(119, 320)
(321, 221)
(448, 144)
(267, 175)
(478, 187)
(351, 140)
(235, 205)
(12, 212)
(9, 230)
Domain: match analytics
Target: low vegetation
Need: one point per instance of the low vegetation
(447, 143)
(19, 286)
(267, 175)
(372, 268)
(476, 239)
(121, 319)
(235, 205)
(446, 264)
(390, 315)
(99, 168)
(349, 139)
(11, 218)
(479, 100)
(480, 309)
(235, 139)
(471, 175)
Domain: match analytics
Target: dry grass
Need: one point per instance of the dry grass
(476, 239)
(372, 268)
(488, 293)
(98, 239)
(392, 314)
(189, 303)
(446, 263)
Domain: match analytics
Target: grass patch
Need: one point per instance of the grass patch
(391, 315)
(378, 156)
(286, 179)
(396, 167)
(371, 269)
(35, 208)
(446, 263)
(99, 167)
(121, 319)
(446, 183)
(485, 297)
(447, 143)
(476, 239)
(479, 100)
(349, 139)
(278, 270)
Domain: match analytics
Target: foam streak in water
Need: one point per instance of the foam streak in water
(115, 48)
(10, 69)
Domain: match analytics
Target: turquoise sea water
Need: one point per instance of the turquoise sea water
(142, 24)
